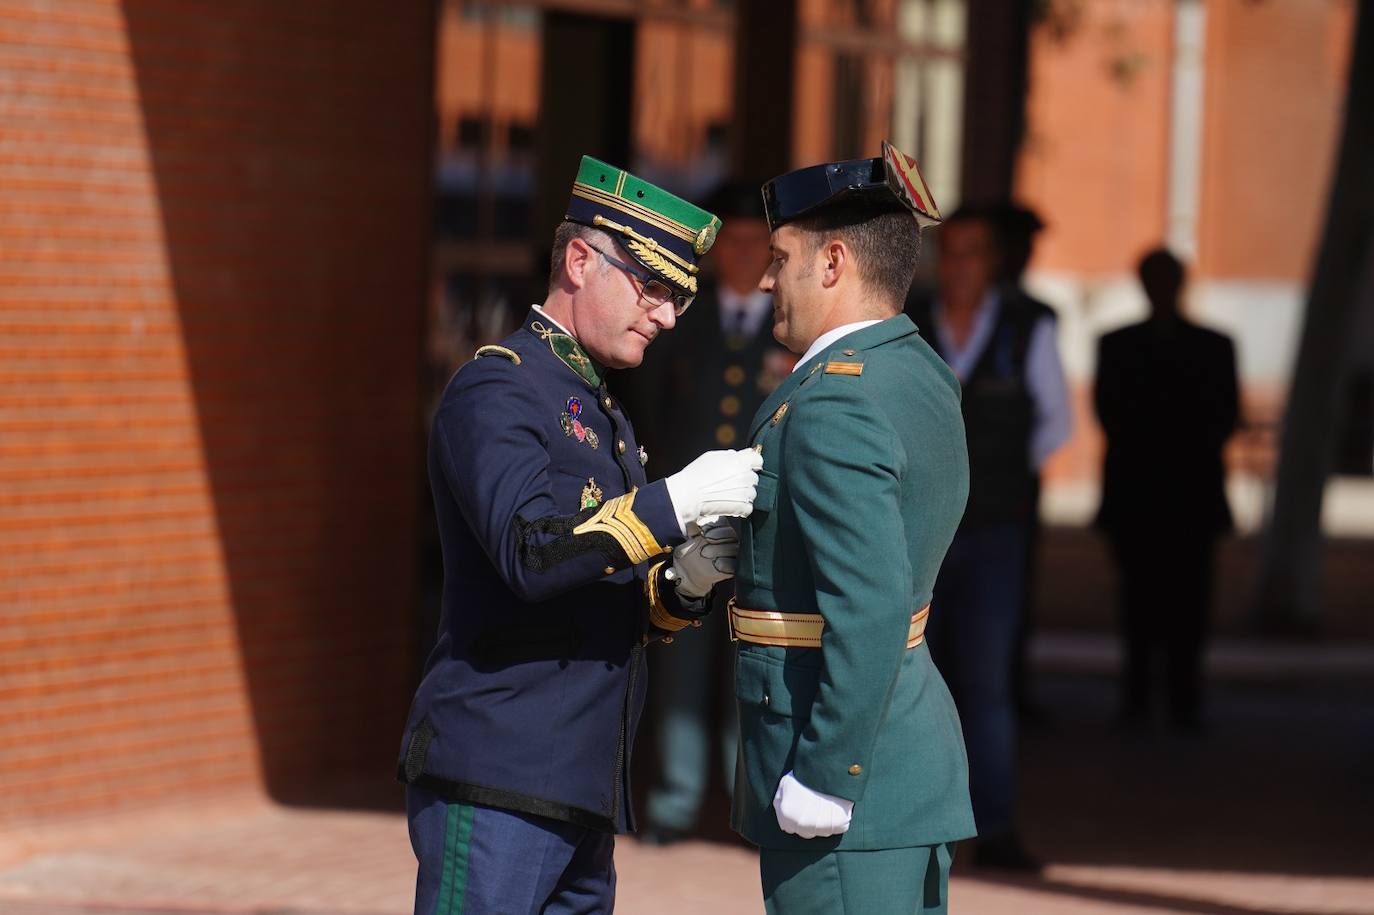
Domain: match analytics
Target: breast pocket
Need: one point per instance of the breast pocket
(758, 535)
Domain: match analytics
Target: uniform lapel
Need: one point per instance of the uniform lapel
(780, 393)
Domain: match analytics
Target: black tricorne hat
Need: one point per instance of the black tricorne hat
(890, 180)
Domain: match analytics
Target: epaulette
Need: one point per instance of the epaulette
(840, 367)
(494, 350)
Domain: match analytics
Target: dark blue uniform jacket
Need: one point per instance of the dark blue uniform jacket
(550, 534)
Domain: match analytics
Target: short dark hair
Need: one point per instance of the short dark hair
(886, 245)
(567, 230)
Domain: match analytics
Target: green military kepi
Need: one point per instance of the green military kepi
(660, 230)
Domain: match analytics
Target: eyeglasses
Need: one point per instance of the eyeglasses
(652, 291)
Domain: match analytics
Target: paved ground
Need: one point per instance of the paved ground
(1270, 812)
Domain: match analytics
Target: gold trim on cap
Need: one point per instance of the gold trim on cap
(651, 244)
(642, 213)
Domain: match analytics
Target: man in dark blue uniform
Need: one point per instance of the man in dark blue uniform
(561, 562)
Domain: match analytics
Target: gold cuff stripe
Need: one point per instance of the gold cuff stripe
(800, 630)
(844, 368)
(672, 226)
(493, 350)
(617, 518)
(658, 613)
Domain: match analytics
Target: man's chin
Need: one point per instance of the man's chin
(780, 335)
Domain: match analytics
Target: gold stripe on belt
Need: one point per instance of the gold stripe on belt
(800, 630)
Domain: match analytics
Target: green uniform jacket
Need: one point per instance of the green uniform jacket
(865, 475)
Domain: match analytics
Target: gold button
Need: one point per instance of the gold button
(734, 376)
(667, 549)
(729, 405)
(696, 624)
(725, 434)
(607, 401)
(667, 640)
(610, 570)
(855, 769)
(620, 446)
(849, 352)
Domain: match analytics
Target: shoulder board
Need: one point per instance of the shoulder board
(494, 350)
(844, 368)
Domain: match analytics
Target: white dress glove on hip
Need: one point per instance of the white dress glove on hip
(706, 558)
(719, 483)
(807, 813)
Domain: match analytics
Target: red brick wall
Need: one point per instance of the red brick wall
(213, 233)
(1275, 94)
(1094, 162)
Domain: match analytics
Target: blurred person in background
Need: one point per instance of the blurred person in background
(1166, 394)
(853, 779)
(561, 562)
(697, 389)
(1017, 227)
(1016, 411)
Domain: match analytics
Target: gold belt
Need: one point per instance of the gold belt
(800, 630)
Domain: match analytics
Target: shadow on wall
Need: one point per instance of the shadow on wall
(291, 149)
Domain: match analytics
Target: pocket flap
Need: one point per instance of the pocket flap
(774, 686)
(766, 493)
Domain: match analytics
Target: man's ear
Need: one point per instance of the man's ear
(577, 262)
(836, 262)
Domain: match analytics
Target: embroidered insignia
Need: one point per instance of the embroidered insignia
(591, 494)
(643, 457)
(566, 422)
(570, 353)
(706, 237)
(574, 407)
(844, 368)
(779, 414)
(592, 438)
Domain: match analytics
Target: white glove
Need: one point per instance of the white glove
(715, 484)
(808, 813)
(707, 557)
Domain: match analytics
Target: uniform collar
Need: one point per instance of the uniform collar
(565, 346)
(829, 337)
(866, 337)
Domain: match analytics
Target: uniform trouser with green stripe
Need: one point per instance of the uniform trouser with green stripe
(477, 860)
(888, 881)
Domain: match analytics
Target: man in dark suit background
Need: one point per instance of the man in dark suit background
(699, 387)
(1166, 394)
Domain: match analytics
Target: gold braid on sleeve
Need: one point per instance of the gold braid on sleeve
(616, 518)
(658, 614)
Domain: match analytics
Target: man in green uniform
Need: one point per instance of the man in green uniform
(853, 779)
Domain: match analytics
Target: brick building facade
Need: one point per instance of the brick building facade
(212, 276)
